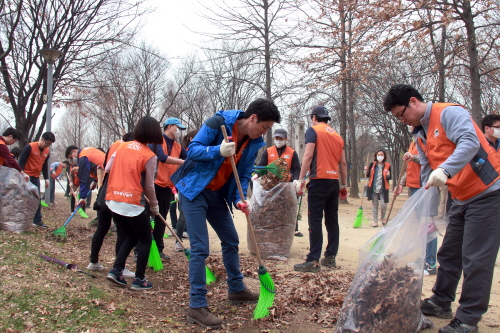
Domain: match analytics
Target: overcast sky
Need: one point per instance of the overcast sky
(167, 28)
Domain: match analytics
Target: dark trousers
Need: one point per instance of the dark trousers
(164, 196)
(323, 198)
(52, 189)
(38, 215)
(137, 232)
(470, 246)
(173, 214)
(104, 217)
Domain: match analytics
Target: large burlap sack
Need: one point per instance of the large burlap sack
(273, 218)
(19, 201)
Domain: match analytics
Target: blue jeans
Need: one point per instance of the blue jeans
(38, 215)
(210, 206)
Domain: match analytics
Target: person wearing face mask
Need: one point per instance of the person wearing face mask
(280, 149)
(491, 129)
(379, 174)
(170, 155)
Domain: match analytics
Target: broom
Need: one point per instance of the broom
(210, 276)
(403, 169)
(61, 232)
(360, 219)
(267, 288)
(154, 260)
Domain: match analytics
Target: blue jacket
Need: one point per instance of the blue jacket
(204, 159)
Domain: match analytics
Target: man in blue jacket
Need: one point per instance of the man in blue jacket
(207, 188)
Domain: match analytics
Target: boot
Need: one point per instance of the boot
(329, 261)
(203, 317)
(245, 296)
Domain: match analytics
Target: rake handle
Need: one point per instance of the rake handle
(166, 224)
(71, 216)
(242, 197)
(403, 169)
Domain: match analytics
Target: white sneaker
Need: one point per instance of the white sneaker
(185, 235)
(426, 273)
(95, 267)
(178, 247)
(128, 274)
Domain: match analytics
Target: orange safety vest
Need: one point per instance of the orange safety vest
(413, 169)
(166, 170)
(327, 153)
(125, 182)
(287, 155)
(74, 174)
(95, 156)
(475, 177)
(114, 146)
(35, 161)
(384, 177)
(2, 159)
(57, 171)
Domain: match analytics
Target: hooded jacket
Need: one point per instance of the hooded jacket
(204, 159)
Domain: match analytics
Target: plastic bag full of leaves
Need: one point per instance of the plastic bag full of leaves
(273, 217)
(386, 291)
(19, 201)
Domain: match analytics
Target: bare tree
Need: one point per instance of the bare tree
(82, 29)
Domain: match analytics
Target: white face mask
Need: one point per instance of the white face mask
(380, 158)
(177, 134)
(279, 143)
(496, 133)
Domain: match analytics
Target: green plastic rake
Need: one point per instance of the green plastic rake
(210, 276)
(154, 260)
(61, 232)
(267, 288)
(280, 171)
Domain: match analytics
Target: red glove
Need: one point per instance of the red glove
(343, 192)
(244, 207)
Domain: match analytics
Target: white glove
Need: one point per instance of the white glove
(155, 210)
(299, 186)
(437, 178)
(255, 177)
(227, 149)
(176, 196)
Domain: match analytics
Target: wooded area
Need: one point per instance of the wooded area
(342, 54)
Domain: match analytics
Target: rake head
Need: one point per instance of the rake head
(277, 168)
(60, 233)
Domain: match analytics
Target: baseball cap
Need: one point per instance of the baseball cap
(320, 111)
(281, 133)
(174, 121)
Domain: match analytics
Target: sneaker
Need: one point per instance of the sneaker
(308, 266)
(298, 234)
(170, 233)
(164, 257)
(429, 308)
(458, 326)
(185, 234)
(245, 296)
(95, 267)
(430, 270)
(116, 277)
(178, 247)
(139, 284)
(329, 261)
(203, 317)
(40, 225)
(128, 274)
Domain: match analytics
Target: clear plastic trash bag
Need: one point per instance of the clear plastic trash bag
(273, 216)
(386, 291)
(19, 201)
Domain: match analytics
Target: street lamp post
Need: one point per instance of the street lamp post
(51, 56)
